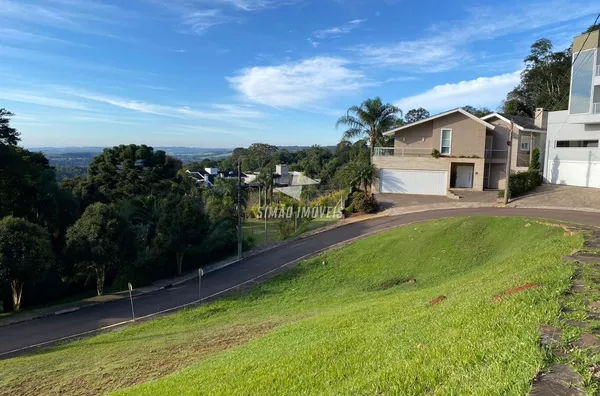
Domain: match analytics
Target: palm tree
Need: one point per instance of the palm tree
(370, 119)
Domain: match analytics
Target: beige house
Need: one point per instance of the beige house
(454, 150)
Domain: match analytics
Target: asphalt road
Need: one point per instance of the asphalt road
(24, 337)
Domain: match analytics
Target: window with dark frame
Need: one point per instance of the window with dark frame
(576, 143)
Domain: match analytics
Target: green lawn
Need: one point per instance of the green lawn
(256, 228)
(344, 323)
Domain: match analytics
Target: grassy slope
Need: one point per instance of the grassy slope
(337, 324)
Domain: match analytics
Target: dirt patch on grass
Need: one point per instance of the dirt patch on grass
(89, 379)
(437, 300)
(568, 232)
(514, 290)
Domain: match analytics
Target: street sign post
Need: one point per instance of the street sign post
(200, 273)
(131, 299)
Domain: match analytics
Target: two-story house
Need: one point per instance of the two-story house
(456, 150)
(572, 148)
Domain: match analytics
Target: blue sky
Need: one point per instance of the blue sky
(226, 73)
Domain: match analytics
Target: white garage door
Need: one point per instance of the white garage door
(574, 173)
(413, 182)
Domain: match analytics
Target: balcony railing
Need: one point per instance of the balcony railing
(401, 152)
(495, 154)
(598, 70)
(596, 108)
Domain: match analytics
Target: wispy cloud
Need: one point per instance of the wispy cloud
(483, 91)
(12, 35)
(446, 45)
(200, 21)
(337, 31)
(49, 60)
(242, 115)
(299, 85)
(37, 99)
(253, 5)
(86, 17)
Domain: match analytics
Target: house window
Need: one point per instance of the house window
(525, 142)
(446, 143)
(576, 143)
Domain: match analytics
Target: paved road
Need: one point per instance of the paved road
(255, 268)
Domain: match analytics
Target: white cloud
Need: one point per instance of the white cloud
(339, 30)
(300, 84)
(483, 91)
(419, 55)
(446, 45)
(313, 43)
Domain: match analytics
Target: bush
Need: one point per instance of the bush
(521, 183)
(534, 165)
(363, 203)
(248, 243)
(435, 153)
(328, 200)
(286, 228)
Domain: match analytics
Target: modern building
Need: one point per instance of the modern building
(456, 150)
(572, 153)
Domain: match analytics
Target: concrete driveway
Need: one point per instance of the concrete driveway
(394, 204)
(568, 197)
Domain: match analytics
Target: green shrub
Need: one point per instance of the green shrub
(534, 164)
(363, 203)
(248, 243)
(521, 183)
(435, 153)
(286, 228)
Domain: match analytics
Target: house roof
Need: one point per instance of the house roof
(461, 111)
(521, 122)
(198, 171)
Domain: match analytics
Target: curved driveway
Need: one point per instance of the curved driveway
(22, 337)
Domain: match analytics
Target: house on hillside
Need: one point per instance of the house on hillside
(204, 177)
(207, 176)
(454, 150)
(573, 155)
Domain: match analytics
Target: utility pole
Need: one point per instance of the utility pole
(239, 230)
(508, 161)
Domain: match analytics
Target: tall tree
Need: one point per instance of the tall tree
(9, 136)
(477, 111)
(126, 171)
(415, 115)
(259, 155)
(182, 226)
(370, 119)
(545, 81)
(25, 255)
(99, 241)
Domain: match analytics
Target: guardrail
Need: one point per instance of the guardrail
(401, 152)
(495, 154)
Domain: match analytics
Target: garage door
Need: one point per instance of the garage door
(574, 173)
(414, 182)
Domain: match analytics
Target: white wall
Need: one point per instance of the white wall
(572, 166)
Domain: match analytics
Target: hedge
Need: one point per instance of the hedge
(522, 182)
